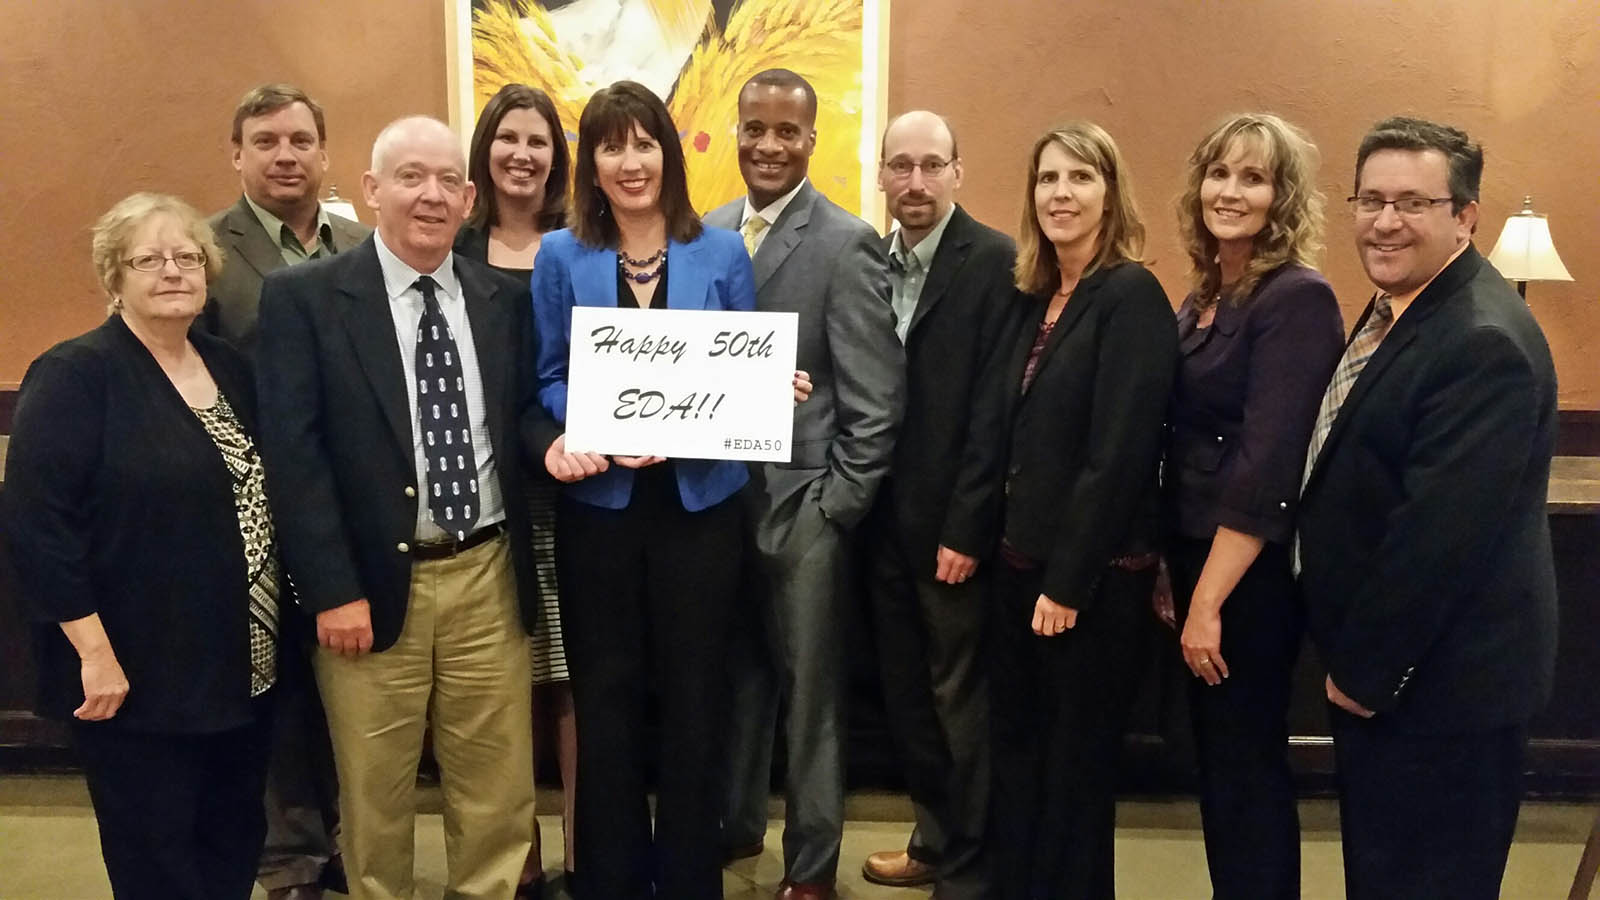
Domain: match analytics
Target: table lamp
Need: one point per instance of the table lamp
(338, 206)
(1525, 253)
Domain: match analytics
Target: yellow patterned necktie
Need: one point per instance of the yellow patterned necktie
(751, 230)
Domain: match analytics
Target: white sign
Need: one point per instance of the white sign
(679, 383)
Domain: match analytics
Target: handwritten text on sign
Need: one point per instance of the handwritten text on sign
(688, 384)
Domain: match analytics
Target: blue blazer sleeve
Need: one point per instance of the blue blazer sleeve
(553, 300)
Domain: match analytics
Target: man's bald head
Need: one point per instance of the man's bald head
(418, 186)
(411, 129)
(920, 120)
(920, 173)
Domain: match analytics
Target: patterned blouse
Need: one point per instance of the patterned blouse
(260, 543)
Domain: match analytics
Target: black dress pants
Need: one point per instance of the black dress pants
(1425, 816)
(1058, 708)
(1247, 801)
(930, 641)
(647, 595)
(302, 797)
(180, 815)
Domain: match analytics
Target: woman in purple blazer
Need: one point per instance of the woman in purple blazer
(1260, 334)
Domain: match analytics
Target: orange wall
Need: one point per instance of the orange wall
(98, 100)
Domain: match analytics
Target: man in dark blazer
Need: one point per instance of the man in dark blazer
(1423, 540)
(936, 517)
(280, 153)
(398, 405)
(813, 258)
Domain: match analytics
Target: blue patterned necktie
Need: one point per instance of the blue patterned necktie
(446, 430)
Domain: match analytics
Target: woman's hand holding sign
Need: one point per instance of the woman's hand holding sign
(569, 467)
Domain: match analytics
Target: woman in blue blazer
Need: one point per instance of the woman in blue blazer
(648, 549)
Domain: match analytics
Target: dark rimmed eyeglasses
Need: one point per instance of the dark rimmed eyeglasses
(1366, 205)
(932, 167)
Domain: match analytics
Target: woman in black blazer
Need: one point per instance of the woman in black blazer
(1091, 371)
(1259, 336)
(137, 522)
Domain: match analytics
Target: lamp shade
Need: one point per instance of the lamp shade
(1525, 251)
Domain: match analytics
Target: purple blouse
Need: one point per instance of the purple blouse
(1246, 396)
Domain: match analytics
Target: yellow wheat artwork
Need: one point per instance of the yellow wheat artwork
(695, 54)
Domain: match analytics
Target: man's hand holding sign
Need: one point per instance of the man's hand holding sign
(648, 385)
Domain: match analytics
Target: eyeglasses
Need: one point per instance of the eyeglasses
(931, 168)
(1363, 205)
(152, 262)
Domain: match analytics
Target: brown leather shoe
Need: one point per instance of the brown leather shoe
(797, 891)
(896, 868)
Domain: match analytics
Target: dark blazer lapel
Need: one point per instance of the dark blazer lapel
(1401, 336)
(491, 330)
(1026, 335)
(784, 235)
(947, 261)
(371, 327)
(686, 277)
(346, 235)
(1083, 298)
(251, 241)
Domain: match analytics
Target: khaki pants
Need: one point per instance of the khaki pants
(461, 662)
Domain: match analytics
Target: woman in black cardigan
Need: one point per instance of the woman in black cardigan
(1259, 336)
(1091, 370)
(137, 521)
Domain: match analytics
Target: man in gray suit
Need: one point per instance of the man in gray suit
(813, 258)
(280, 154)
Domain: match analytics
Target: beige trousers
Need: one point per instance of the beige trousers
(461, 662)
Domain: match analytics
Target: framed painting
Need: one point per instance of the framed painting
(695, 54)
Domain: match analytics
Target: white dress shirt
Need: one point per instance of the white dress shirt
(771, 213)
(405, 307)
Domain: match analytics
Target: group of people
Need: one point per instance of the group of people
(305, 495)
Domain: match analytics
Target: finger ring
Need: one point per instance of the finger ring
(1205, 662)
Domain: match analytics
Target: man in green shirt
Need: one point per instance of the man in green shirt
(279, 151)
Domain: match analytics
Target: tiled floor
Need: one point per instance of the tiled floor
(49, 848)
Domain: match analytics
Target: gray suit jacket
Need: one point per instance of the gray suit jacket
(250, 253)
(827, 265)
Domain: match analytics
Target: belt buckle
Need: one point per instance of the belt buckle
(441, 549)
